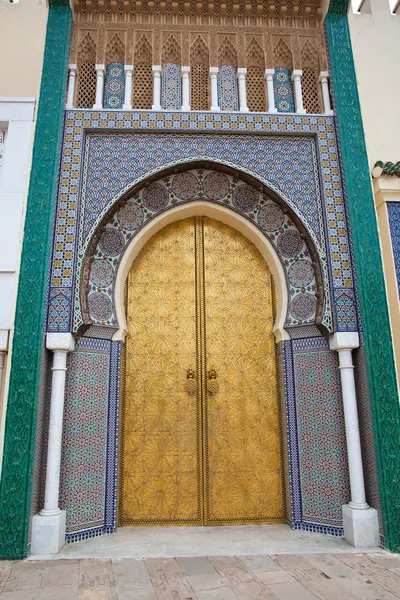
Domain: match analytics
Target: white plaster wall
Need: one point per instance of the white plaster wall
(375, 37)
(16, 117)
(22, 35)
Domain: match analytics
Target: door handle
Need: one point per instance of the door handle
(190, 383)
(212, 383)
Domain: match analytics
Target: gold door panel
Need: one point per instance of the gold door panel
(200, 297)
(161, 454)
(242, 431)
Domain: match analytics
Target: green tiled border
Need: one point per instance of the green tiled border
(371, 286)
(16, 481)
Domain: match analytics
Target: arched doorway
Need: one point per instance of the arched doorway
(201, 426)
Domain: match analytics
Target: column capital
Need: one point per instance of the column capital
(241, 71)
(157, 69)
(214, 71)
(323, 76)
(73, 67)
(128, 68)
(344, 340)
(62, 342)
(3, 340)
(100, 67)
(296, 73)
(185, 70)
(269, 73)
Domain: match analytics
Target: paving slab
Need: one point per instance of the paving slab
(285, 576)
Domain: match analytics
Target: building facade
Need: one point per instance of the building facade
(203, 346)
(19, 90)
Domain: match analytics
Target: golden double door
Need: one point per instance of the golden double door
(201, 440)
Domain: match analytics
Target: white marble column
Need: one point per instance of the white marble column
(128, 87)
(241, 75)
(298, 94)
(323, 79)
(73, 69)
(48, 527)
(156, 87)
(214, 89)
(360, 522)
(269, 78)
(185, 88)
(100, 69)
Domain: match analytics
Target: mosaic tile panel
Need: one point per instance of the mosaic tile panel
(217, 187)
(84, 448)
(321, 433)
(394, 225)
(114, 86)
(283, 90)
(171, 87)
(228, 88)
(138, 155)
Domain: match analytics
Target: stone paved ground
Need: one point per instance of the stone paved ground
(280, 577)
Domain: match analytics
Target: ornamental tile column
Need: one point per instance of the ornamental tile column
(323, 79)
(360, 522)
(99, 87)
(298, 94)
(128, 87)
(214, 89)
(156, 87)
(241, 75)
(48, 527)
(269, 78)
(71, 86)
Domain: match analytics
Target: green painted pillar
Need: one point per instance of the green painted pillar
(16, 481)
(371, 286)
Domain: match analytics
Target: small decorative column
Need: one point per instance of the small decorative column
(48, 527)
(214, 89)
(241, 75)
(71, 86)
(128, 87)
(360, 522)
(156, 87)
(323, 79)
(298, 94)
(185, 88)
(99, 87)
(269, 78)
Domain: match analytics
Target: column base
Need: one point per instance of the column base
(244, 109)
(301, 112)
(97, 107)
(361, 527)
(48, 533)
(329, 113)
(215, 109)
(185, 108)
(127, 107)
(156, 107)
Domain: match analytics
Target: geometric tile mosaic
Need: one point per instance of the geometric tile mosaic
(88, 460)
(228, 88)
(114, 85)
(394, 224)
(283, 90)
(101, 160)
(171, 87)
(321, 434)
(220, 188)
